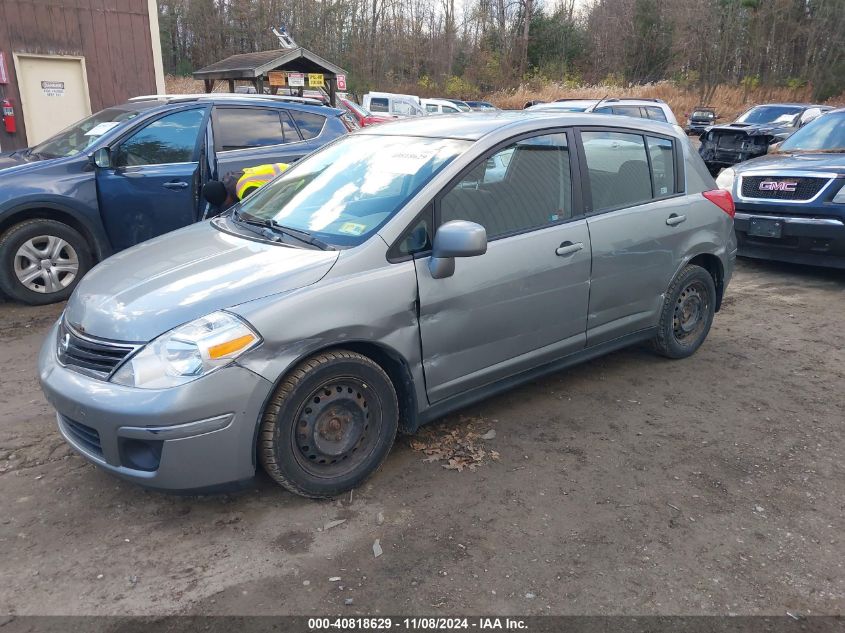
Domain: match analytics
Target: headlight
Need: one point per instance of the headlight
(188, 352)
(725, 180)
(839, 198)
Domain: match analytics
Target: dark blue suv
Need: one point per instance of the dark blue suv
(790, 204)
(132, 172)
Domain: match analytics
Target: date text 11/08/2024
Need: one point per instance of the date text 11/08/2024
(416, 624)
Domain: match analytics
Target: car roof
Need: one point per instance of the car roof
(793, 105)
(285, 102)
(473, 126)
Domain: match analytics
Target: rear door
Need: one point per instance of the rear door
(250, 136)
(153, 185)
(524, 302)
(641, 225)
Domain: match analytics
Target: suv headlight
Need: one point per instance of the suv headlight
(725, 180)
(188, 352)
(839, 198)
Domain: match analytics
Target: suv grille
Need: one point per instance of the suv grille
(85, 436)
(95, 358)
(803, 188)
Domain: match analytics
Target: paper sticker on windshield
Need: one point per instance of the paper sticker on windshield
(352, 228)
(102, 128)
(405, 161)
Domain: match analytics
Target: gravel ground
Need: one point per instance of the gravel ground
(631, 484)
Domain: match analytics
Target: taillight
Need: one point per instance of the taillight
(722, 199)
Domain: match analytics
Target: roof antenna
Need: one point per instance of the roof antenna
(593, 109)
(285, 40)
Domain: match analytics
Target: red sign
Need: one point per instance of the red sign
(4, 73)
(341, 83)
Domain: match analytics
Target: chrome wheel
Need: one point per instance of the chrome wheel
(46, 264)
(691, 310)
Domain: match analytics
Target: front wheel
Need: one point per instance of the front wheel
(329, 425)
(41, 261)
(687, 314)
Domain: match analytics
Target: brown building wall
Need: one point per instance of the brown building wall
(112, 35)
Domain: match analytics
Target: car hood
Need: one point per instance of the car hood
(14, 161)
(804, 161)
(754, 129)
(151, 288)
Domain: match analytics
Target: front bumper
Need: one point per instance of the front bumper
(814, 238)
(200, 435)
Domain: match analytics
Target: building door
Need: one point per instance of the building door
(54, 93)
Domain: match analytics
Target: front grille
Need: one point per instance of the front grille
(734, 140)
(92, 357)
(85, 436)
(802, 188)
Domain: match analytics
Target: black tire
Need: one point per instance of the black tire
(16, 260)
(330, 407)
(687, 313)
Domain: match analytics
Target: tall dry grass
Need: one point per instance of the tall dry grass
(729, 100)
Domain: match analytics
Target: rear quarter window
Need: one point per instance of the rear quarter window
(309, 124)
(656, 113)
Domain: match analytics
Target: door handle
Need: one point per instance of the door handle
(675, 220)
(176, 184)
(568, 248)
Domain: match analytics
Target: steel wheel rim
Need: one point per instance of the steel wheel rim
(337, 427)
(46, 264)
(690, 315)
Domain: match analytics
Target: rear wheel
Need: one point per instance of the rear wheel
(329, 425)
(41, 261)
(687, 314)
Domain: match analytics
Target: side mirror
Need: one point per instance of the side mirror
(102, 158)
(215, 192)
(458, 238)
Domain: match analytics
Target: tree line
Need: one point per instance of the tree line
(471, 47)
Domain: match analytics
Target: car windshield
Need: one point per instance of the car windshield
(702, 114)
(463, 107)
(359, 109)
(345, 192)
(81, 135)
(785, 115)
(825, 134)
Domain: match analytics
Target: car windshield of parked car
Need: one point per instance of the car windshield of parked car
(346, 191)
(81, 135)
(702, 114)
(825, 134)
(783, 115)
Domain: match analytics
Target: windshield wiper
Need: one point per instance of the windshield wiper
(272, 225)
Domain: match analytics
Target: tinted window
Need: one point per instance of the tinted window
(655, 113)
(237, 128)
(449, 109)
(310, 125)
(532, 190)
(784, 115)
(379, 105)
(628, 111)
(827, 133)
(430, 108)
(618, 169)
(170, 139)
(662, 166)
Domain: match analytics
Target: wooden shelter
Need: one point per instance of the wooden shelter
(273, 69)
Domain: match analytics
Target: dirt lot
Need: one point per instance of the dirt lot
(629, 485)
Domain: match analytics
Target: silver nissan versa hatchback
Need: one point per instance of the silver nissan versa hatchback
(393, 276)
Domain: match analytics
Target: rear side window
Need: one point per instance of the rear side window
(617, 165)
(309, 124)
(655, 113)
(379, 104)
(662, 156)
(450, 109)
(240, 128)
(400, 107)
(170, 139)
(430, 107)
(628, 111)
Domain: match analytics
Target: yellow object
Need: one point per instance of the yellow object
(315, 80)
(224, 349)
(255, 177)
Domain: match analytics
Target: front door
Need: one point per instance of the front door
(524, 302)
(153, 185)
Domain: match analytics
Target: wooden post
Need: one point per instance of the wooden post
(209, 84)
(231, 85)
(332, 91)
(259, 85)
